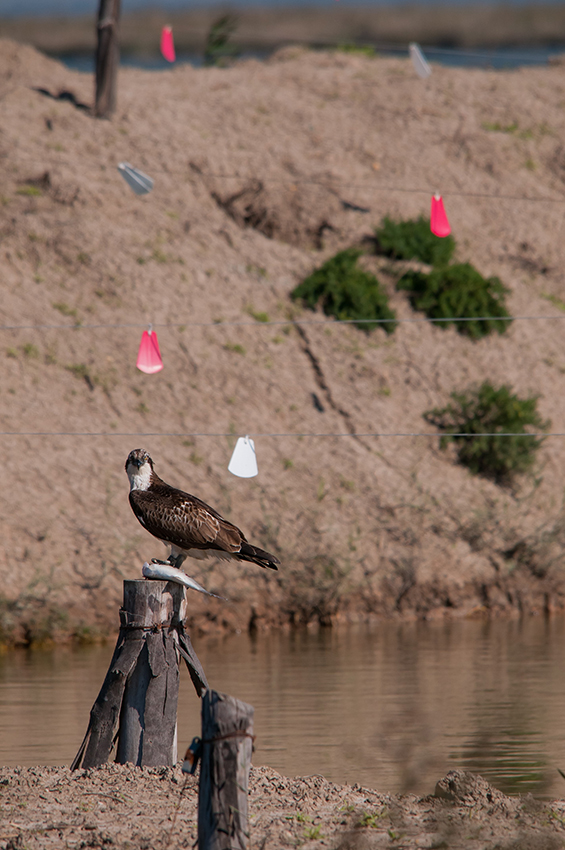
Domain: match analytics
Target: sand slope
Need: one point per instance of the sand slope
(251, 166)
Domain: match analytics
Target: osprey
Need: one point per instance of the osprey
(188, 525)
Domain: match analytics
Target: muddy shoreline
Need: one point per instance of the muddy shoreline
(143, 808)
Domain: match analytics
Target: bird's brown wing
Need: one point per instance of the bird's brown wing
(184, 520)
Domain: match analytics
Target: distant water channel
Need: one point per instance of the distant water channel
(393, 707)
(503, 58)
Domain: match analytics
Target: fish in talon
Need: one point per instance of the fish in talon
(164, 571)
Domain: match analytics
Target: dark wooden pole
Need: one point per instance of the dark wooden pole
(107, 57)
(227, 743)
(137, 704)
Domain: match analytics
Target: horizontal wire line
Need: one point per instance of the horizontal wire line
(289, 434)
(323, 181)
(257, 323)
(408, 189)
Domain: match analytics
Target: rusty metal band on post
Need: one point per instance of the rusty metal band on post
(125, 624)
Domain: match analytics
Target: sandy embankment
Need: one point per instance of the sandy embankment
(258, 169)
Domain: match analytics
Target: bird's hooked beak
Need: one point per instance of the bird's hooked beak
(138, 457)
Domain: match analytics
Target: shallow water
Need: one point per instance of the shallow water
(503, 58)
(392, 707)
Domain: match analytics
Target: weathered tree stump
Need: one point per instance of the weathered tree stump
(137, 704)
(107, 57)
(227, 744)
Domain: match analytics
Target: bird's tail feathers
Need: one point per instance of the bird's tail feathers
(257, 556)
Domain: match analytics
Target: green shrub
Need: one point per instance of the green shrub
(218, 50)
(30, 191)
(346, 291)
(488, 410)
(359, 49)
(408, 240)
(457, 291)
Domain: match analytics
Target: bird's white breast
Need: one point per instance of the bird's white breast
(139, 477)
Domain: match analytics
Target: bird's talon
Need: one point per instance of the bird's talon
(176, 561)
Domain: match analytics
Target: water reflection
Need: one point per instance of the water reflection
(392, 707)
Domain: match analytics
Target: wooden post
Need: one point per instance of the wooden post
(227, 743)
(107, 57)
(148, 721)
(137, 704)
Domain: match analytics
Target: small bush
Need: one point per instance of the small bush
(408, 240)
(30, 350)
(81, 370)
(358, 49)
(30, 191)
(346, 291)
(488, 410)
(218, 50)
(458, 291)
(258, 315)
(313, 590)
(234, 346)
(64, 308)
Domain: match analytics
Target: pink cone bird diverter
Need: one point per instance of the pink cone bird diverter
(167, 45)
(149, 357)
(438, 218)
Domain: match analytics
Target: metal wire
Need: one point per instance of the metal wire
(258, 323)
(265, 434)
(40, 161)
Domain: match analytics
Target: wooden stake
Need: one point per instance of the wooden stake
(107, 57)
(227, 743)
(137, 704)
